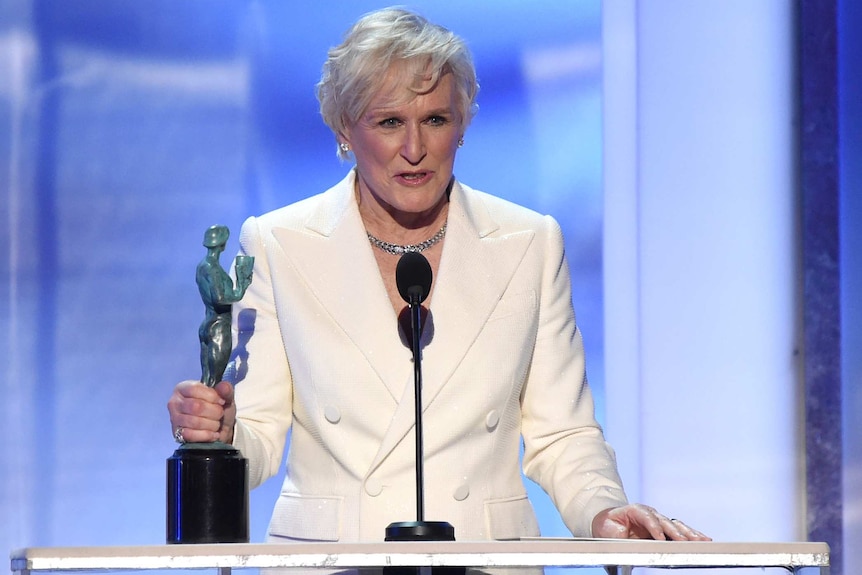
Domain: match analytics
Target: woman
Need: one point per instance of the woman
(324, 357)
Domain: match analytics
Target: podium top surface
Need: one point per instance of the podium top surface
(523, 553)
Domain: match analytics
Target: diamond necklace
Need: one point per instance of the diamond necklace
(397, 250)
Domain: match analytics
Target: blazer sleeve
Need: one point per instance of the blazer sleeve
(564, 448)
(260, 368)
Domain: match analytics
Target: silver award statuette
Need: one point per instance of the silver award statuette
(207, 483)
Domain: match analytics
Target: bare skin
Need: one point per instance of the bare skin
(637, 521)
(205, 414)
(405, 146)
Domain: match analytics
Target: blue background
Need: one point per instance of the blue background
(128, 127)
(134, 126)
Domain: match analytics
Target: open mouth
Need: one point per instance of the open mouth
(414, 177)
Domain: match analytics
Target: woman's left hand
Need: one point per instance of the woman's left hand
(636, 521)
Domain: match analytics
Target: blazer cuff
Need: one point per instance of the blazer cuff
(580, 512)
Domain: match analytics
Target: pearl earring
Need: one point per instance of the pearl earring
(460, 142)
(345, 147)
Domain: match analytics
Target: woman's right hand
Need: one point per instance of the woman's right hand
(201, 414)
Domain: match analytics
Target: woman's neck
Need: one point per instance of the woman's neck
(392, 225)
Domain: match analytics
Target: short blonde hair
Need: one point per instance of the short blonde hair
(354, 71)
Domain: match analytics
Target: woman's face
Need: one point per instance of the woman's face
(405, 147)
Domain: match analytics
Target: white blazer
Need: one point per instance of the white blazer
(318, 353)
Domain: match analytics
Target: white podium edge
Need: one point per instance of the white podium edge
(526, 553)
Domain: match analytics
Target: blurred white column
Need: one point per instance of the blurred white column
(703, 384)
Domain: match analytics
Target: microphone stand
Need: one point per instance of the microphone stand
(416, 328)
(419, 530)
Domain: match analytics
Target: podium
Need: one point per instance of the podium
(616, 555)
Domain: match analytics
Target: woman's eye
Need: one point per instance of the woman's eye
(437, 120)
(389, 123)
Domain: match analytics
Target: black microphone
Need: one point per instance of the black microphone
(413, 277)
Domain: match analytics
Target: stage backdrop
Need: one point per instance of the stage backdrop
(129, 127)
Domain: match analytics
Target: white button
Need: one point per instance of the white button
(373, 487)
(462, 492)
(331, 413)
(492, 419)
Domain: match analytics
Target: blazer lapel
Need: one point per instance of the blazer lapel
(332, 253)
(475, 268)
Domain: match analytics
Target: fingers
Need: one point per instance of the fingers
(685, 533)
(198, 410)
(663, 528)
(225, 392)
(653, 522)
(676, 530)
(637, 521)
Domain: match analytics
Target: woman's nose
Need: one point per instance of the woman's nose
(413, 149)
